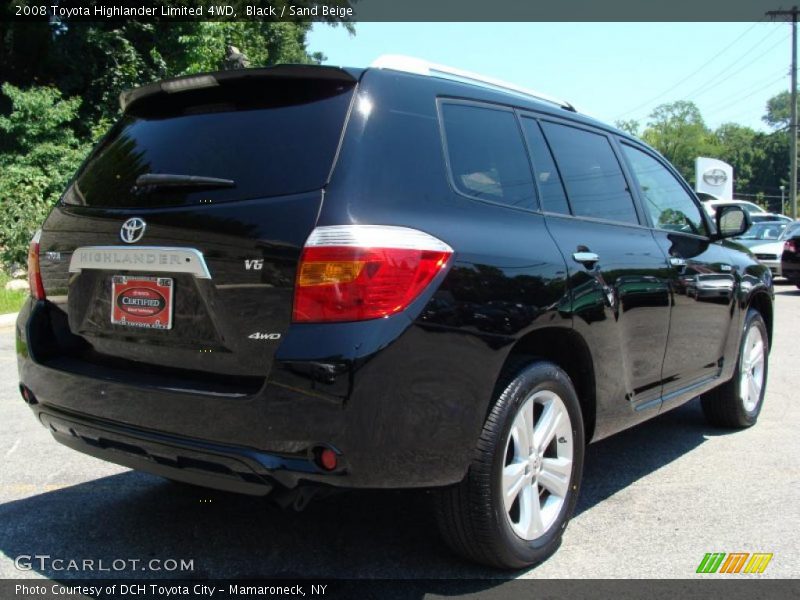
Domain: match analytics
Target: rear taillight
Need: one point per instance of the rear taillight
(359, 272)
(34, 273)
(790, 246)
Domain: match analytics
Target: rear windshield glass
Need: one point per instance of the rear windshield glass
(272, 137)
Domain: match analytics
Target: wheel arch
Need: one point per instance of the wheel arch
(567, 349)
(761, 302)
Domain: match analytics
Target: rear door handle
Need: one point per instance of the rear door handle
(587, 259)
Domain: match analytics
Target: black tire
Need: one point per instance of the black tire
(471, 515)
(723, 406)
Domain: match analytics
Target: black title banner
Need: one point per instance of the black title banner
(733, 588)
(388, 10)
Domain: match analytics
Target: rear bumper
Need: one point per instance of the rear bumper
(791, 270)
(395, 420)
(200, 463)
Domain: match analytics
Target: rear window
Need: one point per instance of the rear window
(487, 156)
(271, 137)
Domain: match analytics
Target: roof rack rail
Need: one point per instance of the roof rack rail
(418, 66)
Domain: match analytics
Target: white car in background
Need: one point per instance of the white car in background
(765, 241)
(711, 206)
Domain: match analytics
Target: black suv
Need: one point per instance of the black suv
(302, 278)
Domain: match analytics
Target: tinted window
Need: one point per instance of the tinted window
(271, 138)
(669, 204)
(592, 175)
(552, 192)
(487, 155)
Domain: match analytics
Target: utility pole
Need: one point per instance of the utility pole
(793, 125)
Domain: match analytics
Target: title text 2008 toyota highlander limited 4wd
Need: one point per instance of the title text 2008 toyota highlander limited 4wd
(407, 276)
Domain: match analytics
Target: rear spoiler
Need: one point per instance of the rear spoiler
(205, 80)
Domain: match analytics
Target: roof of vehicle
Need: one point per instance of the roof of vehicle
(418, 66)
(491, 88)
(213, 79)
(501, 91)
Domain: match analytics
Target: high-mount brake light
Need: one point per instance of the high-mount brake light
(360, 272)
(34, 271)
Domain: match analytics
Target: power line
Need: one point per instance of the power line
(733, 104)
(709, 85)
(782, 72)
(693, 73)
(760, 88)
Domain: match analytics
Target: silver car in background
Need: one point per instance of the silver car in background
(765, 241)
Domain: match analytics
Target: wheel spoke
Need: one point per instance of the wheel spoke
(527, 422)
(756, 355)
(546, 426)
(753, 390)
(530, 515)
(555, 475)
(513, 481)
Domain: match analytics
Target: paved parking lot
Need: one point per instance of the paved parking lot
(655, 499)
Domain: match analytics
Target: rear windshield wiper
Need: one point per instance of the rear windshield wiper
(167, 180)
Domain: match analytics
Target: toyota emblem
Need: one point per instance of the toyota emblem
(132, 230)
(715, 177)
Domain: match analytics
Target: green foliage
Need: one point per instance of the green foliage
(38, 154)
(630, 126)
(741, 148)
(97, 60)
(262, 42)
(779, 111)
(678, 131)
(10, 300)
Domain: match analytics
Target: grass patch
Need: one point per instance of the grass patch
(10, 301)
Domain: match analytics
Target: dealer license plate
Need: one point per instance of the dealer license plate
(142, 302)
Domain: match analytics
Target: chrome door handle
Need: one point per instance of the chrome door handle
(677, 261)
(587, 259)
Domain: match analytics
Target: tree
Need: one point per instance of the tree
(630, 126)
(97, 60)
(737, 146)
(678, 131)
(39, 151)
(779, 111)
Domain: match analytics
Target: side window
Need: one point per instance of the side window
(553, 197)
(592, 175)
(668, 203)
(487, 155)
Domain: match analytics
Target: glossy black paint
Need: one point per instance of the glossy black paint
(404, 398)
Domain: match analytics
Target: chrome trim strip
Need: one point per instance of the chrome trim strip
(150, 259)
(375, 236)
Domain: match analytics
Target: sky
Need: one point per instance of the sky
(610, 71)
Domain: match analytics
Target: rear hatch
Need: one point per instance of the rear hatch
(173, 254)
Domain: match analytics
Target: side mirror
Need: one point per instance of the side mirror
(732, 221)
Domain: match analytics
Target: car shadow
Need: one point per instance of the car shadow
(366, 534)
(616, 462)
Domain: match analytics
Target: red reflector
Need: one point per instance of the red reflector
(34, 273)
(348, 281)
(328, 459)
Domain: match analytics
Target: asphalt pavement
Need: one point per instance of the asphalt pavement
(655, 499)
